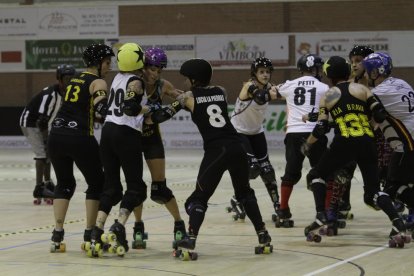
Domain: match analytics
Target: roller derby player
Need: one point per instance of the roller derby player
(121, 148)
(397, 97)
(157, 90)
(350, 105)
(34, 122)
(247, 118)
(302, 98)
(223, 151)
(71, 140)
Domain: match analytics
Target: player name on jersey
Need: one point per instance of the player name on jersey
(213, 98)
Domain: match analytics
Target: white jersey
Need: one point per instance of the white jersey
(397, 96)
(248, 116)
(117, 94)
(302, 95)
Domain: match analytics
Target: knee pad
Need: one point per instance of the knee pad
(160, 193)
(94, 192)
(343, 176)
(313, 177)
(110, 197)
(254, 167)
(65, 192)
(133, 199)
(373, 200)
(267, 173)
(195, 206)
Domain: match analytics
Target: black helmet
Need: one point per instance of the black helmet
(308, 62)
(336, 67)
(260, 62)
(65, 70)
(360, 50)
(95, 53)
(197, 69)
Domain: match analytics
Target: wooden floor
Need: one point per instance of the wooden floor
(225, 247)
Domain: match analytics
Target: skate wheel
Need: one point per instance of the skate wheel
(266, 250)
(177, 253)
(179, 235)
(229, 209)
(323, 231)
(37, 201)
(350, 216)
(62, 247)
(185, 256)
(341, 224)
(407, 239)
(120, 251)
(52, 248)
(89, 253)
(194, 256)
(235, 217)
(85, 246)
(107, 238)
(317, 238)
(274, 217)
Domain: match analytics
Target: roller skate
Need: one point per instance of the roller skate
(93, 247)
(50, 185)
(398, 235)
(282, 218)
(409, 221)
(316, 229)
(41, 192)
(237, 208)
(332, 224)
(140, 236)
(179, 233)
(344, 211)
(184, 247)
(116, 238)
(57, 244)
(264, 246)
(86, 238)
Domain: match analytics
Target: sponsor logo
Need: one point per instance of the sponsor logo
(12, 21)
(58, 22)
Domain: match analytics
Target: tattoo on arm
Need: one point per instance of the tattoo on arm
(332, 95)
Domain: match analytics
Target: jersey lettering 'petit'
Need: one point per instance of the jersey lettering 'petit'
(302, 96)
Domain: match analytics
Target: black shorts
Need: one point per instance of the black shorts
(152, 144)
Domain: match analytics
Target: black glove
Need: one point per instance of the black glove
(153, 107)
(313, 116)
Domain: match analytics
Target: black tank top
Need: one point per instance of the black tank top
(211, 117)
(351, 115)
(76, 115)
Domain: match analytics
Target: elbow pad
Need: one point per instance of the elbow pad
(131, 107)
(321, 128)
(378, 111)
(166, 113)
(101, 107)
(261, 96)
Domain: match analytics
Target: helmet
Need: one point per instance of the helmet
(380, 61)
(197, 69)
(156, 57)
(130, 57)
(360, 50)
(65, 70)
(260, 62)
(308, 62)
(337, 67)
(95, 53)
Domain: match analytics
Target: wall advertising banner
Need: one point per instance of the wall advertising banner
(48, 54)
(18, 23)
(78, 22)
(12, 55)
(59, 22)
(397, 44)
(238, 51)
(177, 48)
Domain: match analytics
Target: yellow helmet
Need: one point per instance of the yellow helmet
(130, 57)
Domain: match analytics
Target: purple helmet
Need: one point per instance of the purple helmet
(156, 57)
(380, 61)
